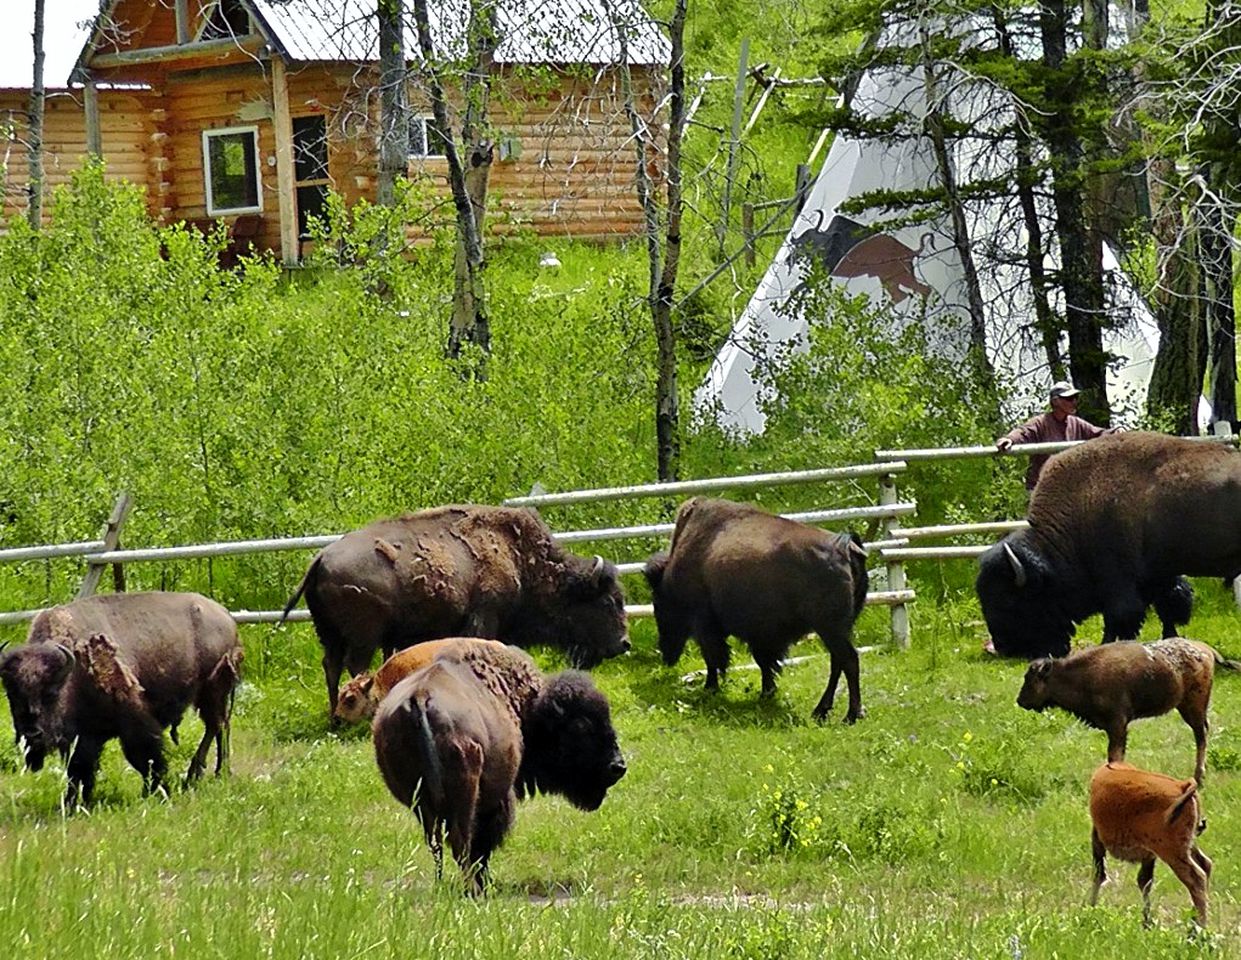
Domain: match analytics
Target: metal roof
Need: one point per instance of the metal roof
(532, 31)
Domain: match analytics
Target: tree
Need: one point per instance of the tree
(393, 104)
(660, 230)
(470, 323)
(34, 150)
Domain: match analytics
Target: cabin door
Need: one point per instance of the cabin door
(310, 170)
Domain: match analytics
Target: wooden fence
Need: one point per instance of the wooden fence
(104, 552)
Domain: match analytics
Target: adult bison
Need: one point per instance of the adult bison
(1114, 523)
(122, 665)
(462, 739)
(470, 571)
(733, 569)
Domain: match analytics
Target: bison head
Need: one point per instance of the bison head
(1036, 691)
(673, 631)
(357, 699)
(590, 623)
(33, 678)
(1023, 601)
(570, 744)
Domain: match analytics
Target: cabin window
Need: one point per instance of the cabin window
(310, 170)
(231, 167)
(424, 139)
(225, 19)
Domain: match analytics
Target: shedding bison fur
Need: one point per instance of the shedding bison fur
(123, 666)
(1116, 525)
(735, 570)
(461, 742)
(463, 571)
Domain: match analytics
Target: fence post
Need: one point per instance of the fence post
(111, 538)
(896, 569)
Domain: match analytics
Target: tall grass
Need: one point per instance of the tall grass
(947, 823)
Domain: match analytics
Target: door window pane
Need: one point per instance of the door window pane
(310, 148)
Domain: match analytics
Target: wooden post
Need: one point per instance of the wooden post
(183, 21)
(286, 191)
(111, 538)
(734, 141)
(896, 569)
(747, 231)
(94, 135)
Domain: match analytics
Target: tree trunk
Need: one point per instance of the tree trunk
(34, 208)
(469, 314)
(470, 322)
(1081, 252)
(661, 276)
(1027, 179)
(393, 110)
(1215, 233)
(983, 372)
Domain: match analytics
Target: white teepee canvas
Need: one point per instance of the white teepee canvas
(914, 270)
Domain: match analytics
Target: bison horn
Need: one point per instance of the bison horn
(596, 568)
(70, 659)
(1019, 571)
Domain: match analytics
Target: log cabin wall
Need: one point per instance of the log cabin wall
(130, 129)
(567, 168)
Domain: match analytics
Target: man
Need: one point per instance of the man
(1061, 423)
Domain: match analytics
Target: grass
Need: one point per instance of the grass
(948, 823)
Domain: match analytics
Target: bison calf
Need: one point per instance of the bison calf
(460, 742)
(126, 666)
(362, 694)
(1138, 816)
(733, 569)
(1107, 687)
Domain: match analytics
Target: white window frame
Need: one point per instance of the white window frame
(424, 119)
(212, 209)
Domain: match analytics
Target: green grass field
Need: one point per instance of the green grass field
(948, 823)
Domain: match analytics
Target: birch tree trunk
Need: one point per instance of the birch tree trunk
(469, 318)
(34, 209)
(393, 109)
(662, 274)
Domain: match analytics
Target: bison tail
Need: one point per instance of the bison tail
(856, 552)
(1188, 793)
(311, 573)
(432, 785)
(1223, 661)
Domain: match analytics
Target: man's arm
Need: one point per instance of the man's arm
(1028, 432)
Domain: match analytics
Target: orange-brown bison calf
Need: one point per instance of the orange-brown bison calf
(1138, 816)
(460, 742)
(361, 695)
(1109, 686)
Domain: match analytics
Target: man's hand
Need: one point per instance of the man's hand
(1003, 444)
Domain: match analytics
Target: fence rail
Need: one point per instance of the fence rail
(104, 552)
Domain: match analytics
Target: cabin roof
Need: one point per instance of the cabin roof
(532, 31)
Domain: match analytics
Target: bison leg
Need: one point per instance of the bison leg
(144, 749)
(1117, 740)
(769, 671)
(844, 660)
(333, 663)
(463, 786)
(82, 769)
(489, 832)
(1099, 852)
(1194, 877)
(1146, 880)
(1123, 616)
(713, 642)
(1196, 716)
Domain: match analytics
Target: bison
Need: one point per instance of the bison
(363, 693)
(125, 666)
(461, 741)
(1114, 524)
(733, 569)
(467, 571)
(1108, 687)
(1138, 816)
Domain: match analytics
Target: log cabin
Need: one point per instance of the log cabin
(250, 111)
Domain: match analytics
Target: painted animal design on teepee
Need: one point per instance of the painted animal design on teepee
(850, 249)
